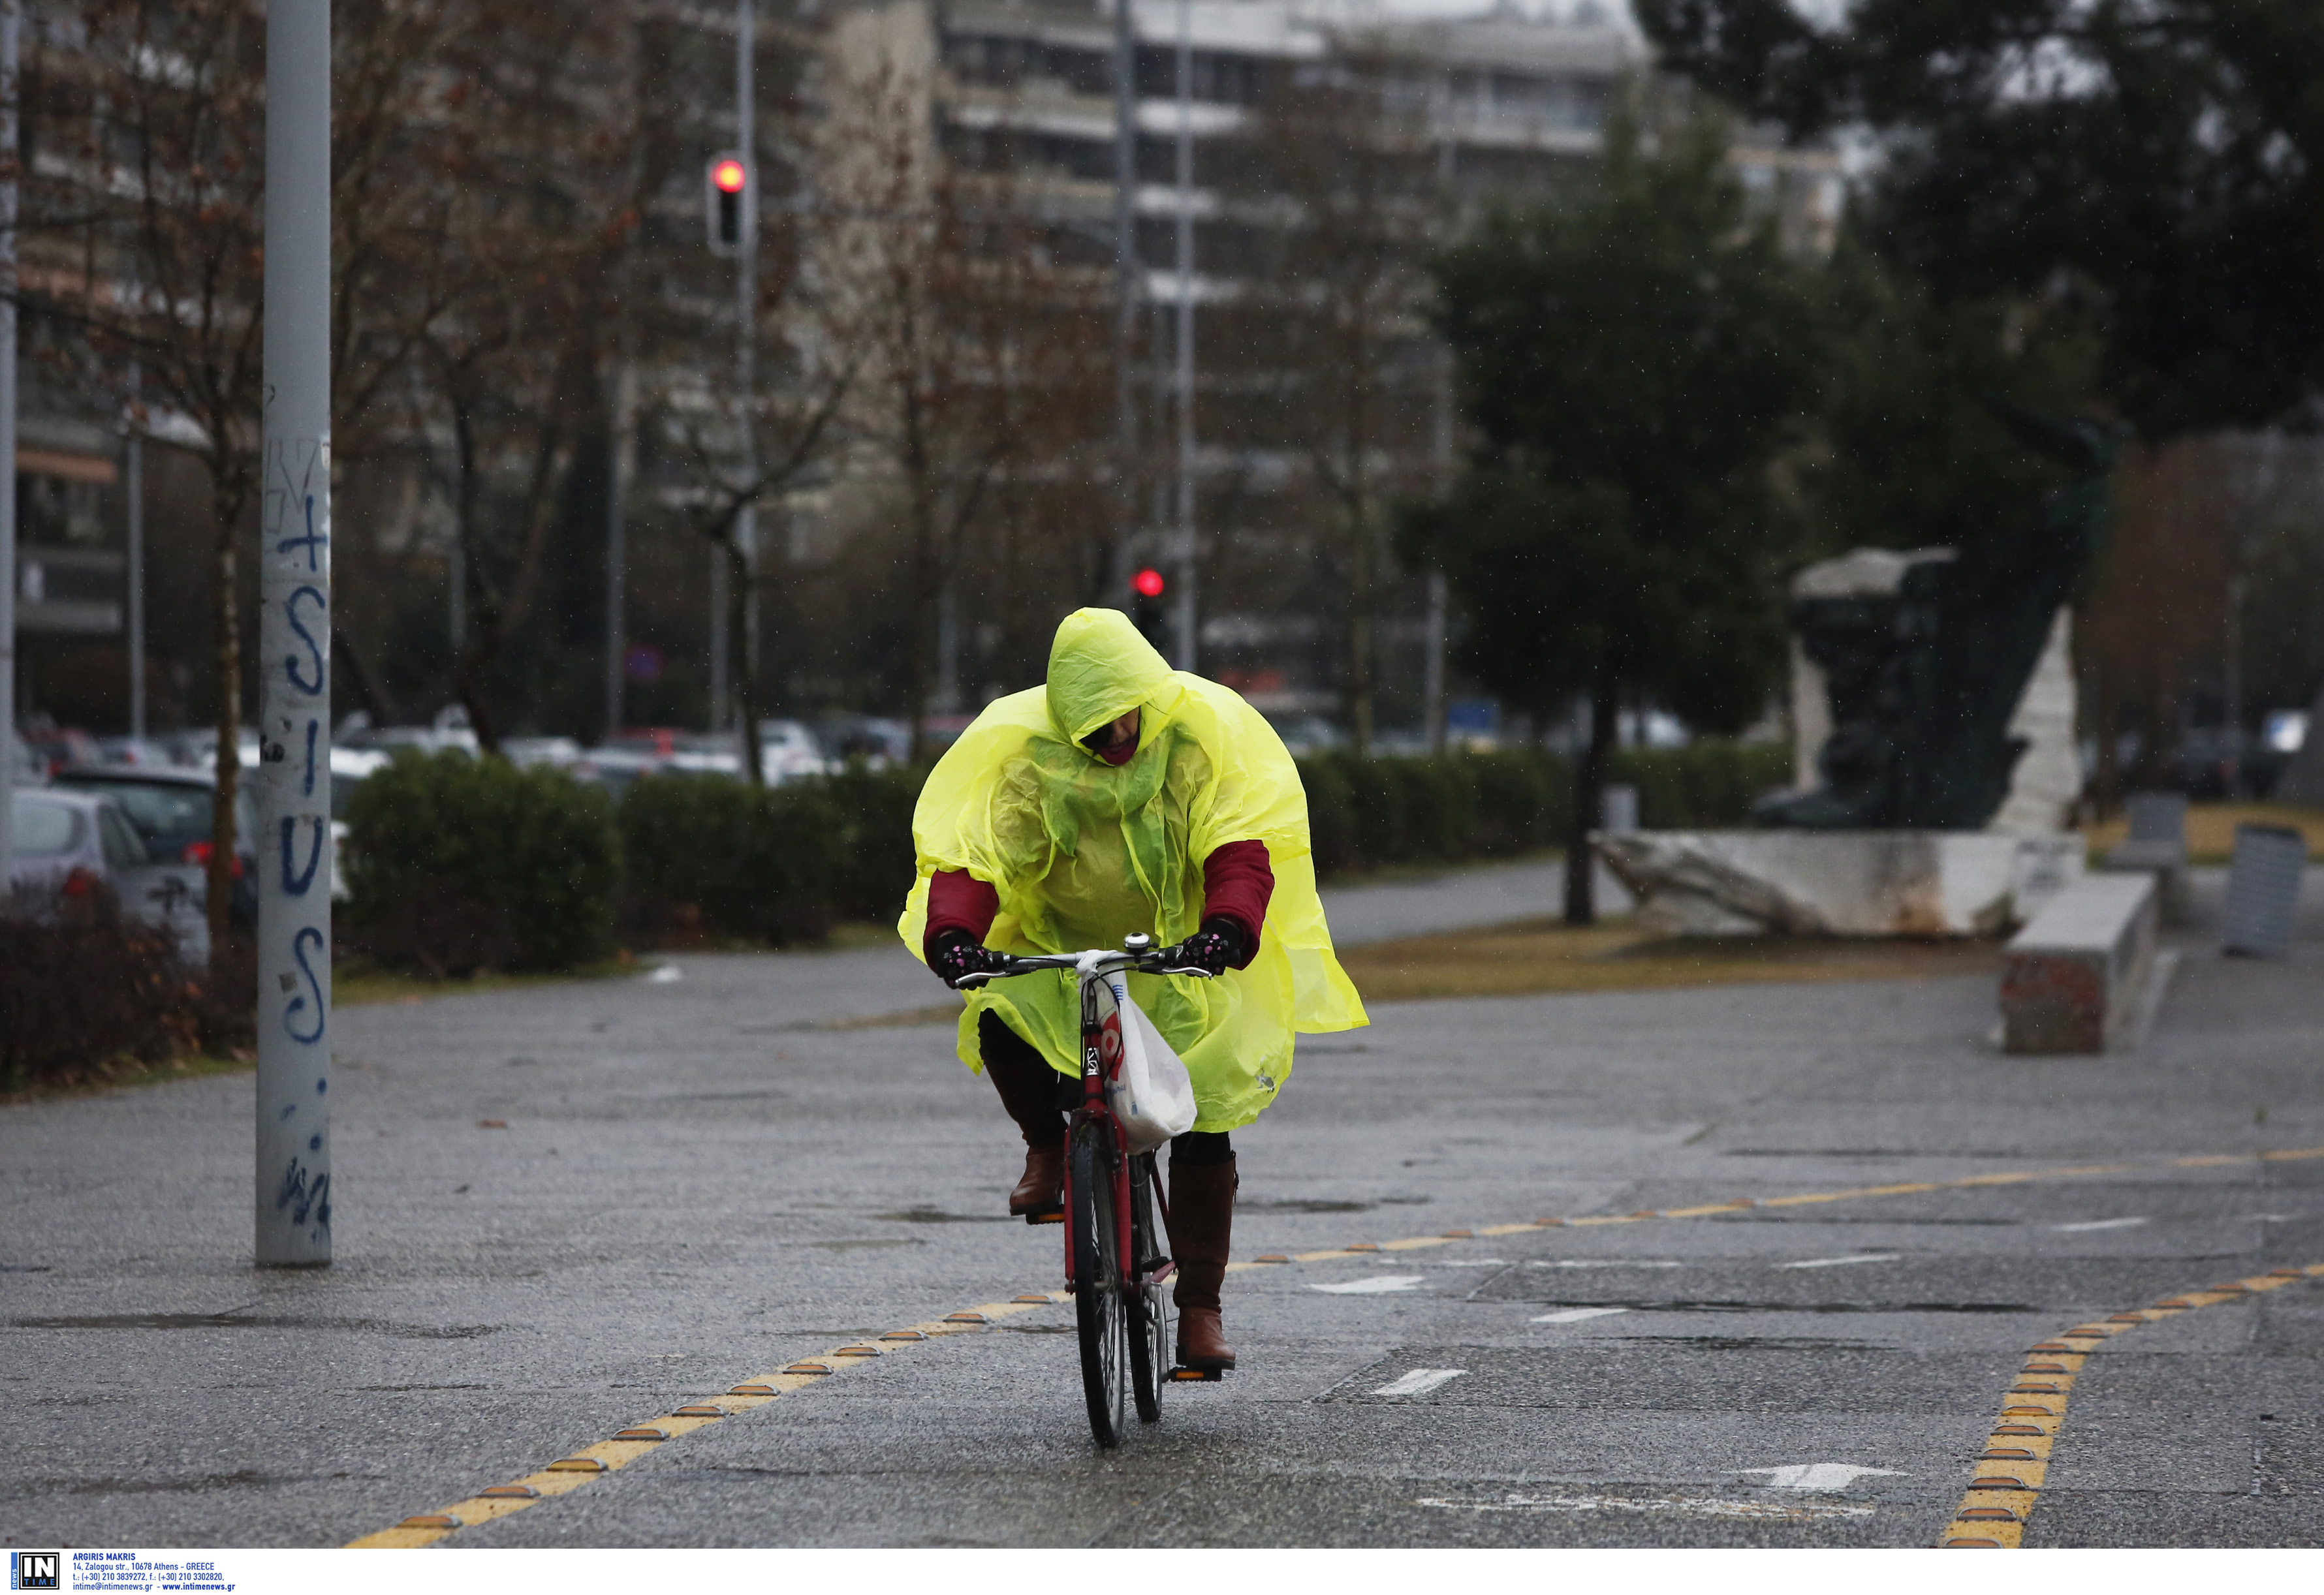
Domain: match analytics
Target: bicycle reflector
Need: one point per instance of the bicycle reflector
(727, 211)
(1148, 583)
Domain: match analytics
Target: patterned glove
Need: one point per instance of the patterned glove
(957, 955)
(1214, 949)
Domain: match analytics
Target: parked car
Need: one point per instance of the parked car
(68, 841)
(26, 768)
(57, 746)
(787, 752)
(878, 743)
(173, 811)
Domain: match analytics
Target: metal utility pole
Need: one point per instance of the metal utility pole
(746, 321)
(1186, 615)
(294, 695)
(12, 16)
(1125, 292)
(133, 471)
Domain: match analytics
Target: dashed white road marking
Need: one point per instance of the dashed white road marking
(665, 974)
(1609, 1263)
(1677, 1506)
(1576, 1315)
(1375, 1284)
(1420, 1381)
(2098, 1224)
(1874, 1257)
(1816, 1476)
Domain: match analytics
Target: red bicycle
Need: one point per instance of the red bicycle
(1116, 1262)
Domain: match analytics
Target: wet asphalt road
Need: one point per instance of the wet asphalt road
(701, 1180)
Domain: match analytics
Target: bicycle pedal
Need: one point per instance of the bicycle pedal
(1207, 1376)
(1058, 1217)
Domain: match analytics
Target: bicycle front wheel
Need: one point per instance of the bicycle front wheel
(1098, 1273)
(1148, 1309)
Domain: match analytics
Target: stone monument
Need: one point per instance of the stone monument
(1933, 696)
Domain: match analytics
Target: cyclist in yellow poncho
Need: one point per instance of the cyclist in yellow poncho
(1127, 797)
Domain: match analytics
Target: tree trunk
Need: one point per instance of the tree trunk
(230, 495)
(1588, 792)
(741, 588)
(1359, 635)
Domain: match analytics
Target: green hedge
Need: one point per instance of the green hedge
(1363, 813)
(456, 864)
(459, 863)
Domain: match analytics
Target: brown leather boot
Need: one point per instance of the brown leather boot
(1028, 1089)
(1202, 1222)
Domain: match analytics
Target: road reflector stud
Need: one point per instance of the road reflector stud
(700, 1412)
(2035, 1390)
(1272, 1256)
(643, 1434)
(2232, 1289)
(1989, 1515)
(808, 1368)
(2174, 1301)
(2127, 1318)
(1460, 1234)
(2004, 1453)
(903, 1334)
(753, 1390)
(1972, 1544)
(2085, 1334)
(1647, 1213)
(2027, 1412)
(2047, 1368)
(2287, 1273)
(859, 1350)
(1040, 1296)
(1548, 1223)
(966, 1318)
(508, 1492)
(577, 1465)
(2016, 1429)
(1362, 1246)
(431, 1520)
(1998, 1482)
(2056, 1346)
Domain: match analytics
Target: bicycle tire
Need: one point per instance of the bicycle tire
(1148, 1312)
(1098, 1310)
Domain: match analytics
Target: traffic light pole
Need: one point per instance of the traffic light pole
(746, 327)
(294, 696)
(12, 13)
(1185, 615)
(1125, 291)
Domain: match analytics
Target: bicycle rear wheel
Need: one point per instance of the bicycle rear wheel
(1149, 1326)
(1099, 1311)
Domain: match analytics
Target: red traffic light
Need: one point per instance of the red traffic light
(729, 176)
(1148, 583)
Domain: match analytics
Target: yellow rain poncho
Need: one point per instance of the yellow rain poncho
(1083, 853)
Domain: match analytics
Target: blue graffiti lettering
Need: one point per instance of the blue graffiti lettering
(302, 1196)
(311, 542)
(314, 649)
(298, 945)
(296, 881)
(307, 786)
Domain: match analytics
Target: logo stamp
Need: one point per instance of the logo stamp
(35, 1570)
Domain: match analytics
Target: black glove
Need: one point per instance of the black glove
(1214, 949)
(957, 954)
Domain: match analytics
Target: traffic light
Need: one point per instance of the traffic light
(1146, 613)
(726, 202)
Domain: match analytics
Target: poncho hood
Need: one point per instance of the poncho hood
(1101, 668)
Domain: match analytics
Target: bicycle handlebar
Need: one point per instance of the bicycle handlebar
(1095, 961)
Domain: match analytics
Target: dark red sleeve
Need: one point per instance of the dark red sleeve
(1237, 883)
(958, 900)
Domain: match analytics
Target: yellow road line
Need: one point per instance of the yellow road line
(570, 1473)
(2007, 1483)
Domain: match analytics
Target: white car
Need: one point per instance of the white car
(66, 839)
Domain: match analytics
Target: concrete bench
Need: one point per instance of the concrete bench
(2074, 980)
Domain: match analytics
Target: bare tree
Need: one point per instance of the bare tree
(1348, 173)
(969, 344)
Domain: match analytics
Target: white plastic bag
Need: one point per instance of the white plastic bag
(1149, 1091)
